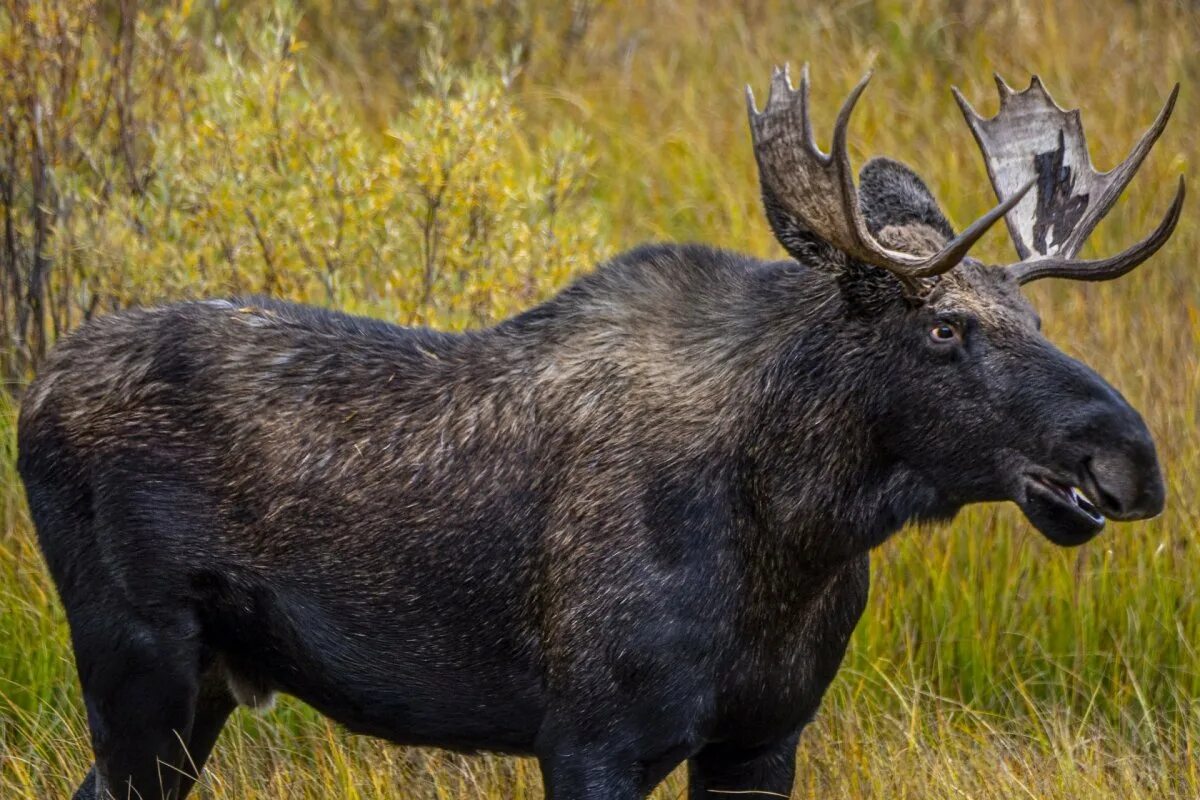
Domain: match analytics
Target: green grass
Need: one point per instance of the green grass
(989, 664)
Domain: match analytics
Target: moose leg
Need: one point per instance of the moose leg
(582, 768)
(87, 789)
(140, 685)
(720, 771)
(213, 708)
(620, 765)
(585, 777)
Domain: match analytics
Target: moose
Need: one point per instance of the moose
(624, 529)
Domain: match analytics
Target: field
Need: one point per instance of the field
(450, 166)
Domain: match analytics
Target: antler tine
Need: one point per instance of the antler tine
(965, 106)
(817, 191)
(838, 147)
(781, 88)
(805, 109)
(1103, 269)
(1120, 176)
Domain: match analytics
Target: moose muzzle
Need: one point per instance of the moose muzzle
(1104, 466)
(1123, 476)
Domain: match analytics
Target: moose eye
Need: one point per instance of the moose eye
(943, 333)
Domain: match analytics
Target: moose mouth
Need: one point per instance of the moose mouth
(1062, 511)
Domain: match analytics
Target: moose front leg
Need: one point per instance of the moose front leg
(588, 776)
(624, 761)
(575, 767)
(720, 771)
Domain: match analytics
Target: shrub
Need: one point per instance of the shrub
(140, 166)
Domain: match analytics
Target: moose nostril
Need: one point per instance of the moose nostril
(1110, 500)
(1126, 485)
(1103, 496)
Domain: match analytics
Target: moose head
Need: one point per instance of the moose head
(977, 401)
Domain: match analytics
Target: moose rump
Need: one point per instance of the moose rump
(221, 524)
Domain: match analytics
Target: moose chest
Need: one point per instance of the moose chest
(786, 651)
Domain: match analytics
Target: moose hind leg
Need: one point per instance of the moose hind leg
(213, 707)
(87, 789)
(140, 687)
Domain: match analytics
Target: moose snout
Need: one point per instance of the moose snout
(1122, 467)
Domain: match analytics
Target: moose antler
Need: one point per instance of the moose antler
(818, 189)
(1031, 137)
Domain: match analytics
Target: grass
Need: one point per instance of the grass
(989, 664)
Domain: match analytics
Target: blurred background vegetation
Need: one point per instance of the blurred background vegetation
(448, 163)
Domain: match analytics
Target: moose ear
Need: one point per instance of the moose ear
(899, 209)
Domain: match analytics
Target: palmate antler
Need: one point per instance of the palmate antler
(1032, 138)
(818, 189)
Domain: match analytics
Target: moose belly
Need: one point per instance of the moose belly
(377, 666)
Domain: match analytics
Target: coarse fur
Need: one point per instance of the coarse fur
(626, 528)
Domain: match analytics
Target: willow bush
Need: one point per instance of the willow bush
(149, 155)
(364, 46)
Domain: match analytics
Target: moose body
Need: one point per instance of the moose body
(624, 529)
(493, 546)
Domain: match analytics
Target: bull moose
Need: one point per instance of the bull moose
(626, 528)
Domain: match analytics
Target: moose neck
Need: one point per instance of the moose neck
(808, 379)
(753, 365)
(823, 486)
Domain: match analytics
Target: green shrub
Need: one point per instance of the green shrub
(144, 166)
